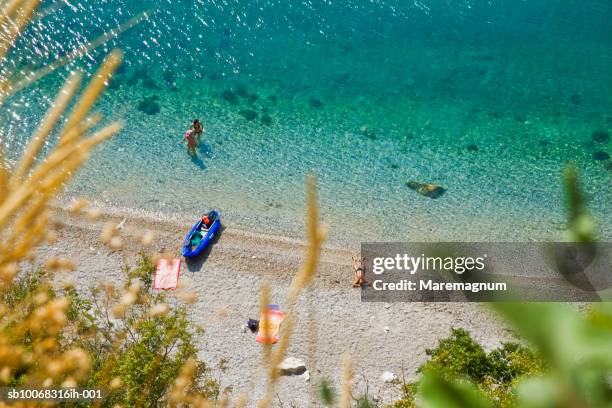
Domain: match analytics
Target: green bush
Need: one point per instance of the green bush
(144, 352)
(457, 356)
(460, 360)
(327, 393)
(144, 271)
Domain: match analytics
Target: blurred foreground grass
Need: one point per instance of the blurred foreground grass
(139, 348)
(122, 339)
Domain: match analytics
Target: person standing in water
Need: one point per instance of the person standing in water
(198, 129)
(192, 136)
(192, 142)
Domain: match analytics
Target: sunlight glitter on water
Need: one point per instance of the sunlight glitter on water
(490, 102)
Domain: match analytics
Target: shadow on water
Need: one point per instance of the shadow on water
(195, 264)
(198, 162)
(205, 150)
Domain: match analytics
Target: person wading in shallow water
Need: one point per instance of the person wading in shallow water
(192, 136)
(198, 129)
(192, 141)
(358, 266)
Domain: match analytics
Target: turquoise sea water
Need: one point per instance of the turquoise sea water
(489, 99)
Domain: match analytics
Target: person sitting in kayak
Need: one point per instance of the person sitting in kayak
(206, 222)
(192, 141)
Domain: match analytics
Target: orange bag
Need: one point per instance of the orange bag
(269, 334)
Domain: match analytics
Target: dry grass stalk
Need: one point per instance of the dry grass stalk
(315, 236)
(30, 328)
(347, 377)
(40, 14)
(16, 14)
(179, 395)
(49, 176)
(89, 97)
(8, 88)
(4, 177)
(313, 331)
(54, 114)
(264, 323)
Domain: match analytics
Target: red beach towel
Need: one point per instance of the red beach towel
(167, 274)
(274, 319)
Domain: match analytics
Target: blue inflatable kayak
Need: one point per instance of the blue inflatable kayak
(201, 235)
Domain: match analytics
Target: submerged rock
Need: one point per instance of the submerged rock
(252, 98)
(266, 119)
(315, 103)
(149, 83)
(342, 78)
(576, 99)
(149, 105)
(347, 48)
(248, 114)
(472, 148)
(426, 189)
(608, 165)
(242, 91)
(272, 99)
(115, 82)
(367, 132)
(140, 73)
(131, 80)
(274, 205)
(601, 155)
(520, 117)
(169, 76)
(600, 136)
(230, 97)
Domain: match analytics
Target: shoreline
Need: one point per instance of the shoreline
(169, 231)
(112, 212)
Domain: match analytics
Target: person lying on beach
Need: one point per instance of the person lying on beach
(359, 268)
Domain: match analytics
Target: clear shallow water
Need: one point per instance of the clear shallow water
(524, 83)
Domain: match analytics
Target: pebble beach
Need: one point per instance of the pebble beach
(331, 319)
